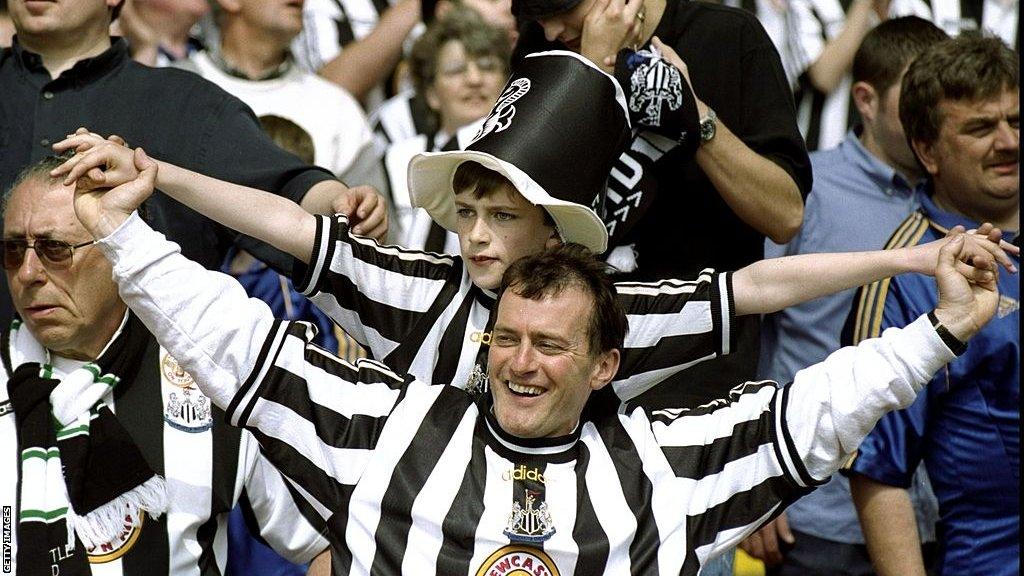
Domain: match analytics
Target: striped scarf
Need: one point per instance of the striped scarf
(80, 471)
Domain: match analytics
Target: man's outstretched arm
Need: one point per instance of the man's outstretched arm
(770, 285)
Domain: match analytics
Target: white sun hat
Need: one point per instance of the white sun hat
(555, 133)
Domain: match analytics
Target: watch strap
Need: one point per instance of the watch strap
(955, 345)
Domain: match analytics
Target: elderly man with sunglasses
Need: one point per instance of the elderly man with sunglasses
(139, 473)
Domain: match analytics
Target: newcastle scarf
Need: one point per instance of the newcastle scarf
(80, 471)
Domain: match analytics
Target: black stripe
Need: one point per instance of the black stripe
(316, 482)
(667, 417)
(450, 347)
(786, 442)
(741, 509)
(226, 443)
(302, 273)
(334, 429)
(696, 462)
(588, 534)
(139, 407)
(410, 473)
(337, 524)
(204, 535)
(459, 527)
(637, 489)
(265, 355)
(413, 334)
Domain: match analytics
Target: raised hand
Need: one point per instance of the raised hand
(102, 211)
(610, 26)
(98, 162)
(966, 303)
(365, 208)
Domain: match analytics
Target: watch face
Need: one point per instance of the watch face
(707, 129)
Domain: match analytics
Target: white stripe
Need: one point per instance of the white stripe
(351, 323)
(321, 255)
(726, 539)
(727, 313)
(647, 330)
(436, 497)
(188, 468)
(385, 286)
(365, 506)
(737, 476)
(657, 288)
(561, 498)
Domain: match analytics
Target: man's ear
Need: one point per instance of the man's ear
(442, 8)
(605, 369)
(553, 241)
(926, 155)
(230, 6)
(865, 99)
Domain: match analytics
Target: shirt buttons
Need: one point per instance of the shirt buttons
(44, 142)
(48, 95)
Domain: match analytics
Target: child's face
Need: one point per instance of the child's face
(498, 229)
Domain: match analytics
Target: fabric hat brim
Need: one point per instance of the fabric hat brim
(431, 175)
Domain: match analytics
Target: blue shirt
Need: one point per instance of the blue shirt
(965, 426)
(856, 203)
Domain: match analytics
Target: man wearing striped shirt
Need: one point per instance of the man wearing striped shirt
(417, 479)
(70, 317)
(428, 315)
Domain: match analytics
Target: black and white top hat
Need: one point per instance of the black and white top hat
(554, 132)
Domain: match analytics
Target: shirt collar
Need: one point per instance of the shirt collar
(83, 70)
(555, 449)
(887, 178)
(226, 67)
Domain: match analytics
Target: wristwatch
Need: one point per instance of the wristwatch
(955, 345)
(707, 126)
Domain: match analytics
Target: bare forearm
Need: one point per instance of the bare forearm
(262, 215)
(757, 190)
(837, 57)
(366, 63)
(890, 529)
(770, 285)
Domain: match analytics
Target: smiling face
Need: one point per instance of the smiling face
(540, 364)
(71, 310)
(974, 160)
(465, 86)
(496, 229)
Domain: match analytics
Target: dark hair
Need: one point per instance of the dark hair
(969, 67)
(461, 24)
(289, 136)
(568, 266)
(38, 171)
(483, 182)
(889, 47)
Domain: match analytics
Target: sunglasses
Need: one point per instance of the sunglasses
(55, 252)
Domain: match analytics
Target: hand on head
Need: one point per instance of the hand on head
(102, 211)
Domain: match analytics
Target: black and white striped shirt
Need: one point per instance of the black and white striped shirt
(419, 479)
(420, 313)
(209, 467)
(811, 24)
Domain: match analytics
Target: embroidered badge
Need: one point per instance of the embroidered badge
(132, 527)
(528, 524)
(518, 561)
(1007, 306)
(477, 383)
(186, 409)
(654, 83)
(501, 115)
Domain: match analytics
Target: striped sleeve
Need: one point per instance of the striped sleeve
(300, 403)
(673, 324)
(750, 455)
(377, 294)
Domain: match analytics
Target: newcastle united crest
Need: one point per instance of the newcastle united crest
(528, 523)
(185, 407)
